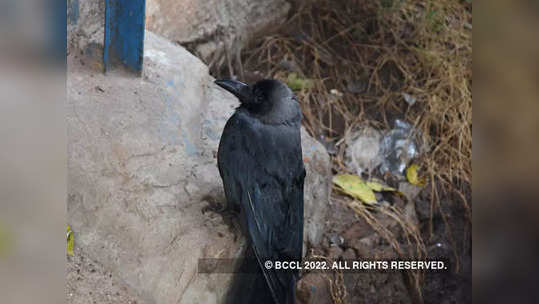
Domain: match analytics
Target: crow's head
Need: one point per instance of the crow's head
(270, 100)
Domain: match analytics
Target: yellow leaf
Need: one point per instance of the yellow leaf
(413, 177)
(70, 241)
(354, 186)
(379, 186)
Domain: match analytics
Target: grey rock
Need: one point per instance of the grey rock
(209, 27)
(206, 28)
(314, 288)
(349, 254)
(409, 190)
(334, 252)
(335, 240)
(85, 25)
(317, 188)
(142, 168)
(88, 281)
(364, 246)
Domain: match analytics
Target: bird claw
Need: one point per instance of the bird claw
(214, 205)
(227, 212)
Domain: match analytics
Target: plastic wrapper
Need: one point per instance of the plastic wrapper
(398, 147)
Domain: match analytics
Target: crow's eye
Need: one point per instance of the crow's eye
(259, 96)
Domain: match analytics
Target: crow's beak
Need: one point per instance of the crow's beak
(241, 90)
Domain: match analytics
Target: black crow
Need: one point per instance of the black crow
(261, 165)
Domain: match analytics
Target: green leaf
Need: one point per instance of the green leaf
(297, 83)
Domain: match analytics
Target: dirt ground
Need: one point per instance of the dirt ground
(88, 282)
(452, 286)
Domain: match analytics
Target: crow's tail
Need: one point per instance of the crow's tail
(249, 284)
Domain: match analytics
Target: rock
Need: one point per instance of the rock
(85, 25)
(87, 279)
(207, 28)
(410, 215)
(364, 246)
(370, 247)
(334, 252)
(422, 207)
(313, 288)
(409, 190)
(142, 168)
(317, 188)
(363, 150)
(384, 252)
(376, 287)
(335, 239)
(357, 231)
(349, 254)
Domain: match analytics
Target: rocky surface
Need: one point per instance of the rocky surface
(142, 171)
(88, 282)
(314, 288)
(208, 28)
(212, 29)
(85, 26)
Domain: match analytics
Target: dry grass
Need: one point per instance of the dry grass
(411, 247)
(373, 52)
(335, 280)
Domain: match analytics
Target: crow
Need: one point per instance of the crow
(261, 164)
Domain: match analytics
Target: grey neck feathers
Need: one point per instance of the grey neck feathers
(283, 111)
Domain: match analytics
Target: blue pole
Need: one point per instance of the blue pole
(124, 34)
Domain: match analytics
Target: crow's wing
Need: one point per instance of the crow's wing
(262, 170)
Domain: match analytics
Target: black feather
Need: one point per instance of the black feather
(261, 165)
